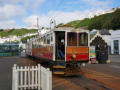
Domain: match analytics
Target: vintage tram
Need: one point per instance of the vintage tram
(65, 49)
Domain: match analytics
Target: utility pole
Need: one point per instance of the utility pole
(38, 24)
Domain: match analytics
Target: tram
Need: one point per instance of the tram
(65, 49)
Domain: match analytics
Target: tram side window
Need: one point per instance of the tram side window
(48, 39)
(41, 43)
(72, 39)
(37, 43)
(51, 38)
(39, 40)
(33, 45)
(44, 40)
(83, 39)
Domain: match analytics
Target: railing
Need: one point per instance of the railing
(31, 77)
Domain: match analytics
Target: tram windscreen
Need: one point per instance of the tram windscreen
(83, 39)
(72, 39)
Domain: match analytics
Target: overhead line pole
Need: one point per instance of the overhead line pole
(38, 24)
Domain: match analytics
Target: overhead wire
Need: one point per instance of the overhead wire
(58, 6)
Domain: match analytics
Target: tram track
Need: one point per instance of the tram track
(75, 82)
(78, 81)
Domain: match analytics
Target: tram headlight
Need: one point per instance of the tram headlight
(73, 56)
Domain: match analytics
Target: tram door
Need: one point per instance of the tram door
(60, 45)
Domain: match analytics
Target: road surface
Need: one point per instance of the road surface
(94, 77)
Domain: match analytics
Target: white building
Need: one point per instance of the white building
(115, 42)
(106, 36)
(15, 38)
(9, 39)
(3, 40)
(29, 34)
(42, 31)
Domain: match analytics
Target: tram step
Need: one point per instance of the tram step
(58, 66)
(58, 69)
(61, 73)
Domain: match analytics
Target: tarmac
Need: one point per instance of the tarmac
(106, 75)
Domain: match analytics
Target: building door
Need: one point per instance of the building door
(116, 46)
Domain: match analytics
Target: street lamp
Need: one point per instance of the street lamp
(52, 22)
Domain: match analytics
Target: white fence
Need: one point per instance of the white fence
(31, 77)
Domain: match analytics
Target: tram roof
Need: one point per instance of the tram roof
(68, 29)
(71, 29)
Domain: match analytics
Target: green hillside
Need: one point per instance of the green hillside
(17, 32)
(24, 40)
(104, 21)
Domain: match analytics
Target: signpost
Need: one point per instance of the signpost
(92, 54)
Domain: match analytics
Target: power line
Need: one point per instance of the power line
(59, 5)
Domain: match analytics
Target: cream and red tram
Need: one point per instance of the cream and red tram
(74, 48)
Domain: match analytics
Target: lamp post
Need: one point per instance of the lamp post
(52, 22)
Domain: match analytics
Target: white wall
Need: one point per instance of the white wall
(115, 35)
(13, 38)
(107, 38)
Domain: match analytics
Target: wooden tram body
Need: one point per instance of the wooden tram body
(75, 48)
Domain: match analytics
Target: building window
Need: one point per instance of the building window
(116, 46)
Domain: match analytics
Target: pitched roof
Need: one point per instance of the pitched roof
(97, 34)
(104, 32)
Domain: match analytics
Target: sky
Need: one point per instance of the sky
(24, 13)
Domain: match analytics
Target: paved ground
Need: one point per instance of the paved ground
(108, 74)
(105, 77)
(114, 58)
(113, 68)
(5, 72)
(77, 83)
(97, 75)
(6, 64)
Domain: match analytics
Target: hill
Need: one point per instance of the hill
(17, 32)
(24, 40)
(104, 21)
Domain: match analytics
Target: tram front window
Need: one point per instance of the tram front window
(72, 39)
